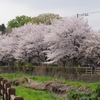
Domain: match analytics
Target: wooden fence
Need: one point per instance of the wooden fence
(7, 92)
(97, 71)
(89, 70)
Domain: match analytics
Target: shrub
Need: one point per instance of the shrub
(84, 98)
(98, 90)
(76, 95)
(73, 95)
(93, 97)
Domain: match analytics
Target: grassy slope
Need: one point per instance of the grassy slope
(30, 94)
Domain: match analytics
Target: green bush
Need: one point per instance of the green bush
(98, 90)
(73, 94)
(76, 95)
(84, 98)
(17, 65)
(93, 97)
(98, 98)
(79, 70)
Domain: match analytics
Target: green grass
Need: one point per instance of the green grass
(20, 75)
(13, 75)
(41, 78)
(87, 84)
(45, 78)
(30, 94)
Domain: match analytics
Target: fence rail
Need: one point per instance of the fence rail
(7, 92)
(89, 70)
(97, 70)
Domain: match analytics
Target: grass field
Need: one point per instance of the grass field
(30, 94)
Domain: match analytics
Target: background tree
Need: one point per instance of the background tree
(66, 39)
(2, 28)
(24, 43)
(18, 21)
(29, 45)
(91, 48)
(45, 18)
(7, 45)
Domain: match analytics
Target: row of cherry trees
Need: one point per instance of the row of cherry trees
(65, 39)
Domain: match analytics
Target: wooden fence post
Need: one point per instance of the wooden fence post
(3, 90)
(10, 91)
(18, 98)
(6, 86)
(6, 92)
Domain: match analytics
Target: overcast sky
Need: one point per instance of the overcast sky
(9, 9)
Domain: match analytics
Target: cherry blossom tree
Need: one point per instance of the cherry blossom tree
(70, 38)
(91, 48)
(23, 43)
(29, 41)
(66, 38)
(7, 45)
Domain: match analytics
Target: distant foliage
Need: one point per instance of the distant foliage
(45, 18)
(18, 21)
(2, 29)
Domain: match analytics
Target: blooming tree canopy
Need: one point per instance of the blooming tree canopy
(66, 38)
(29, 41)
(23, 43)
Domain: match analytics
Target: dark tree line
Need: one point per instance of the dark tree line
(2, 28)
